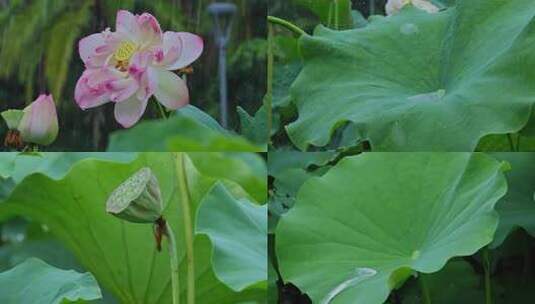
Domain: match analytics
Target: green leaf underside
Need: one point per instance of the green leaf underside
(122, 255)
(246, 169)
(280, 161)
(238, 231)
(418, 81)
(254, 128)
(391, 213)
(517, 207)
(14, 167)
(34, 281)
(54, 164)
(186, 131)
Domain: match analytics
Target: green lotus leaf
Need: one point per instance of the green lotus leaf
(189, 129)
(54, 164)
(48, 250)
(14, 167)
(254, 128)
(6, 186)
(123, 255)
(517, 207)
(417, 81)
(506, 143)
(280, 161)
(283, 76)
(289, 170)
(238, 231)
(34, 281)
(369, 222)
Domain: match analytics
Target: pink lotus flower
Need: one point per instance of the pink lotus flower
(39, 123)
(130, 65)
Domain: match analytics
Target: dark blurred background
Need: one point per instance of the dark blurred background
(39, 53)
(299, 13)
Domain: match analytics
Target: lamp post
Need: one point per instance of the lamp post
(223, 15)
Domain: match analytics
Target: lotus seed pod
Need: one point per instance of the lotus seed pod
(12, 118)
(138, 199)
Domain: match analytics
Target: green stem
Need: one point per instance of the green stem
(330, 16)
(426, 297)
(162, 111)
(336, 15)
(511, 144)
(269, 92)
(518, 143)
(199, 15)
(286, 24)
(185, 201)
(173, 255)
(527, 259)
(488, 285)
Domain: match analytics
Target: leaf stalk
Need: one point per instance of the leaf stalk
(426, 296)
(185, 201)
(488, 283)
(269, 93)
(287, 24)
(174, 263)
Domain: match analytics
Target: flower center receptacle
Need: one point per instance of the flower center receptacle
(125, 51)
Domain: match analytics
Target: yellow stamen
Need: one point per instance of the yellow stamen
(125, 50)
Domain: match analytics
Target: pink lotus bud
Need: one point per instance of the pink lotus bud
(39, 124)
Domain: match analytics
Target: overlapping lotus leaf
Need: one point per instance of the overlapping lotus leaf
(238, 232)
(369, 222)
(189, 129)
(517, 207)
(420, 82)
(34, 281)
